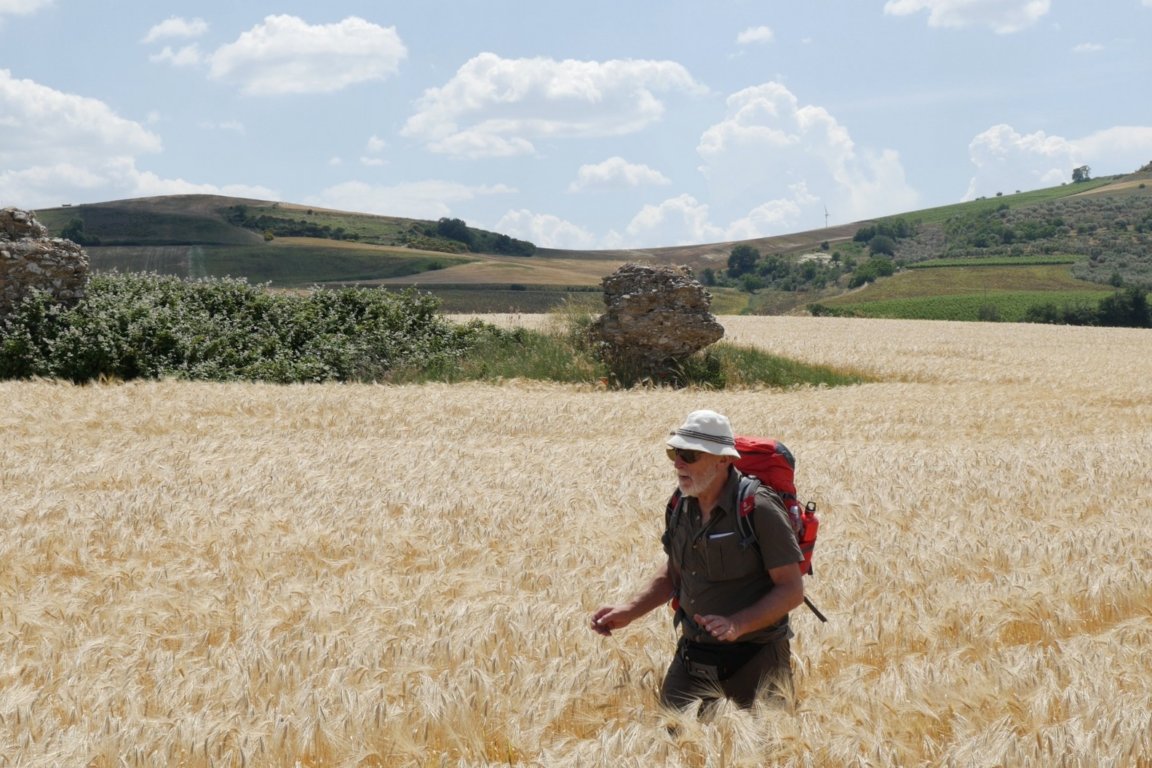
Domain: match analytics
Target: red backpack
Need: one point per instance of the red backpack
(769, 462)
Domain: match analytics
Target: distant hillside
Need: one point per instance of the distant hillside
(1095, 235)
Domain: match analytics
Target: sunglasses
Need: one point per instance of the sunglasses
(685, 455)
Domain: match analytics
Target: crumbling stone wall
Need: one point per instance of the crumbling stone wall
(655, 318)
(30, 259)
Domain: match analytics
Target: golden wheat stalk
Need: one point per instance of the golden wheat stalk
(247, 575)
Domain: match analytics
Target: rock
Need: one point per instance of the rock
(656, 317)
(16, 224)
(30, 259)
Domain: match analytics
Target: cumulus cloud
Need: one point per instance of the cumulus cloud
(616, 173)
(773, 165)
(677, 221)
(496, 107)
(1008, 160)
(108, 178)
(373, 152)
(176, 26)
(43, 126)
(1002, 16)
(185, 56)
(754, 35)
(772, 216)
(59, 147)
(285, 55)
(545, 230)
(21, 7)
(431, 199)
(148, 184)
(1120, 149)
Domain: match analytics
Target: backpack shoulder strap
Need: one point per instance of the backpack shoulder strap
(745, 506)
(672, 512)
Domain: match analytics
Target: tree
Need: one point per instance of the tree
(742, 260)
(882, 244)
(74, 231)
(454, 229)
(1083, 173)
(751, 283)
(1126, 309)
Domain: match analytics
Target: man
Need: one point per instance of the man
(734, 594)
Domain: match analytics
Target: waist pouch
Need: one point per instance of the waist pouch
(716, 661)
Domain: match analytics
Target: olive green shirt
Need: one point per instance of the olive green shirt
(719, 572)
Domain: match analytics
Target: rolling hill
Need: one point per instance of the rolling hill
(1071, 242)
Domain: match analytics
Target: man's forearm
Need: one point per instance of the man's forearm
(769, 609)
(654, 594)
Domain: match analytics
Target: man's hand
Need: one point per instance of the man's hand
(608, 618)
(720, 627)
(652, 595)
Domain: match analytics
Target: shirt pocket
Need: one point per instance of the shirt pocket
(728, 556)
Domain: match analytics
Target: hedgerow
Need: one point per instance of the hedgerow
(144, 325)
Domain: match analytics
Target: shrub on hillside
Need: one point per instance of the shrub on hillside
(877, 266)
(151, 326)
(1127, 308)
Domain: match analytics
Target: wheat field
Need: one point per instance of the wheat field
(337, 575)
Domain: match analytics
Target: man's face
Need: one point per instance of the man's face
(698, 472)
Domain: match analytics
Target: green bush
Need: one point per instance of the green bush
(877, 266)
(136, 325)
(151, 326)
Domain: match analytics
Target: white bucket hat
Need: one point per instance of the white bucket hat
(706, 431)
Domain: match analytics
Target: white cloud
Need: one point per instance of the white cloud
(1120, 149)
(774, 165)
(147, 184)
(772, 216)
(616, 173)
(679, 220)
(231, 126)
(1002, 16)
(496, 107)
(1087, 48)
(545, 230)
(110, 179)
(22, 7)
(754, 35)
(285, 55)
(187, 56)
(416, 200)
(176, 26)
(59, 147)
(43, 126)
(1007, 160)
(373, 152)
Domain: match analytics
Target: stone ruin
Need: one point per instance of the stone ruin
(29, 259)
(656, 317)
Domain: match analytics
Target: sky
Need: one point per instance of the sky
(583, 125)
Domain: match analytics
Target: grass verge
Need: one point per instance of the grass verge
(562, 354)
